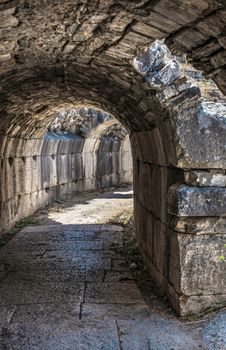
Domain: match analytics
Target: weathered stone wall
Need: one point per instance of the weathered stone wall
(182, 237)
(57, 55)
(107, 158)
(36, 172)
(114, 160)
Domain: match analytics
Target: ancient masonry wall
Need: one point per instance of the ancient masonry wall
(179, 188)
(81, 54)
(37, 171)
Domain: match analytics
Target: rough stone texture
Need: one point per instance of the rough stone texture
(199, 226)
(198, 258)
(214, 331)
(197, 201)
(57, 57)
(203, 178)
(197, 126)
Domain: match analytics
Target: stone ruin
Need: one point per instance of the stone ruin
(118, 57)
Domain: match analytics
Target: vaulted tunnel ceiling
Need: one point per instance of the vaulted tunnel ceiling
(57, 55)
(109, 33)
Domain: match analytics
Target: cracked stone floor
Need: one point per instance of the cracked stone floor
(64, 288)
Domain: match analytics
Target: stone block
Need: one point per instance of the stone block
(200, 138)
(155, 58)
(157, 66)
(40, 292)
(196, 126)
(148, 30)
(197, 201)
(161, 22)
(121, 293)
(181, 11)
(197, 304)
(194, 265)
(149, 146)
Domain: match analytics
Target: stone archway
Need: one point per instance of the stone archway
(172, 146)
(177, 142)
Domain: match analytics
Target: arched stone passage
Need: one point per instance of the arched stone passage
(166, 117)
(108, 151)
(58, 164)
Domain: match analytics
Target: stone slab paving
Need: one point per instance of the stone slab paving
(62, 287)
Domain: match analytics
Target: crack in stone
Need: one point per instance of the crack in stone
(83, 301)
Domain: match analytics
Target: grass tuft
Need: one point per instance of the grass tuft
(30, 220)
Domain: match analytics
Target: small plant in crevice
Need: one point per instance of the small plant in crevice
(222, 257)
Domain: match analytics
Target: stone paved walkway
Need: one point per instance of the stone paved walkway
(64, 288)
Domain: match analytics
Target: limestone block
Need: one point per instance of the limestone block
(159, 245)
(153, 59)
(200, 139)
(49, 147)
(196, 304)
(149, 147)
(164, 76)
(157, 66)
(197, 201)
(77, 167)
(64, 168)
(194, 266)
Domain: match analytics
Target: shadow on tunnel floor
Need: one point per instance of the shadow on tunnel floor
(82, 275)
